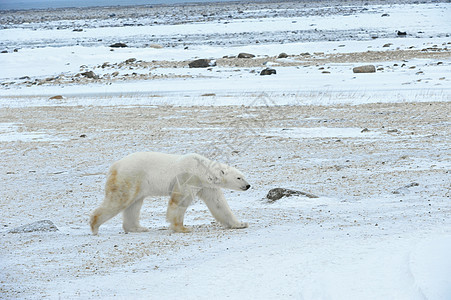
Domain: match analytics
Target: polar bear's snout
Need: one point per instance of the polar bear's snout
(246, 187)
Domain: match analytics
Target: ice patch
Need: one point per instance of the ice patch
(318, 132)
(11, 132)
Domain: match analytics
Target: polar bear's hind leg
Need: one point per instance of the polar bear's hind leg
(103, 214)
(131, 217)
(117, 198)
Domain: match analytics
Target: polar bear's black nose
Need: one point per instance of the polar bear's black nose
(247, 187)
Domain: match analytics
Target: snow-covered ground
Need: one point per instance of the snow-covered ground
(374, 148)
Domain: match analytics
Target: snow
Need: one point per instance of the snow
(381, 227)
(10, 132)
(431, 267)
(318, 132)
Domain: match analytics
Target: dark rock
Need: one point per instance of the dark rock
(393, 131)
(282, 55)
(385, 15)
(405, 189)
(130, 60)
(4, 51)
(305, 54)
(268, 71)
(364, 69)
(43, 226)
(118, 45)
(57, 97)
(401, 33)
(202, 63)
(90, 74)
(278, 193)
(78, 30)
(246, 55)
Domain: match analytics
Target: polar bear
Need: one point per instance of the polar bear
(182, 177)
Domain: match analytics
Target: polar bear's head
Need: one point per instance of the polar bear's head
(227, 177)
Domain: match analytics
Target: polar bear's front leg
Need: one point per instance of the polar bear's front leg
(175, 214)
(219, 208)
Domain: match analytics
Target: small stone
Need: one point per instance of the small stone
(246, 55)
(118, 45)
(268, 71)
(90, 74)
(156, 46)
(130, 60)
(401, 33)
(202, 63)
(365, 130)
(282, 55)
(385, 15)
(57, 97)
(43, 226)
(278, 193)
(364, 69)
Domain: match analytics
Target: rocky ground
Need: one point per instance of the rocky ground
(380, 168)
(133, 69)
(56, 170)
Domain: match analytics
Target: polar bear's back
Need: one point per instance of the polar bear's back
(139, 162)
(156, 168)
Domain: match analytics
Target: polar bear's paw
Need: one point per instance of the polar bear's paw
(240, 225)
(136, 229)
(181, 229)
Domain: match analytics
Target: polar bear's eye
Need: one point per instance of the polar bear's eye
(239, 178)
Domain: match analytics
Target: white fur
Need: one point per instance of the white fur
(182, 177)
